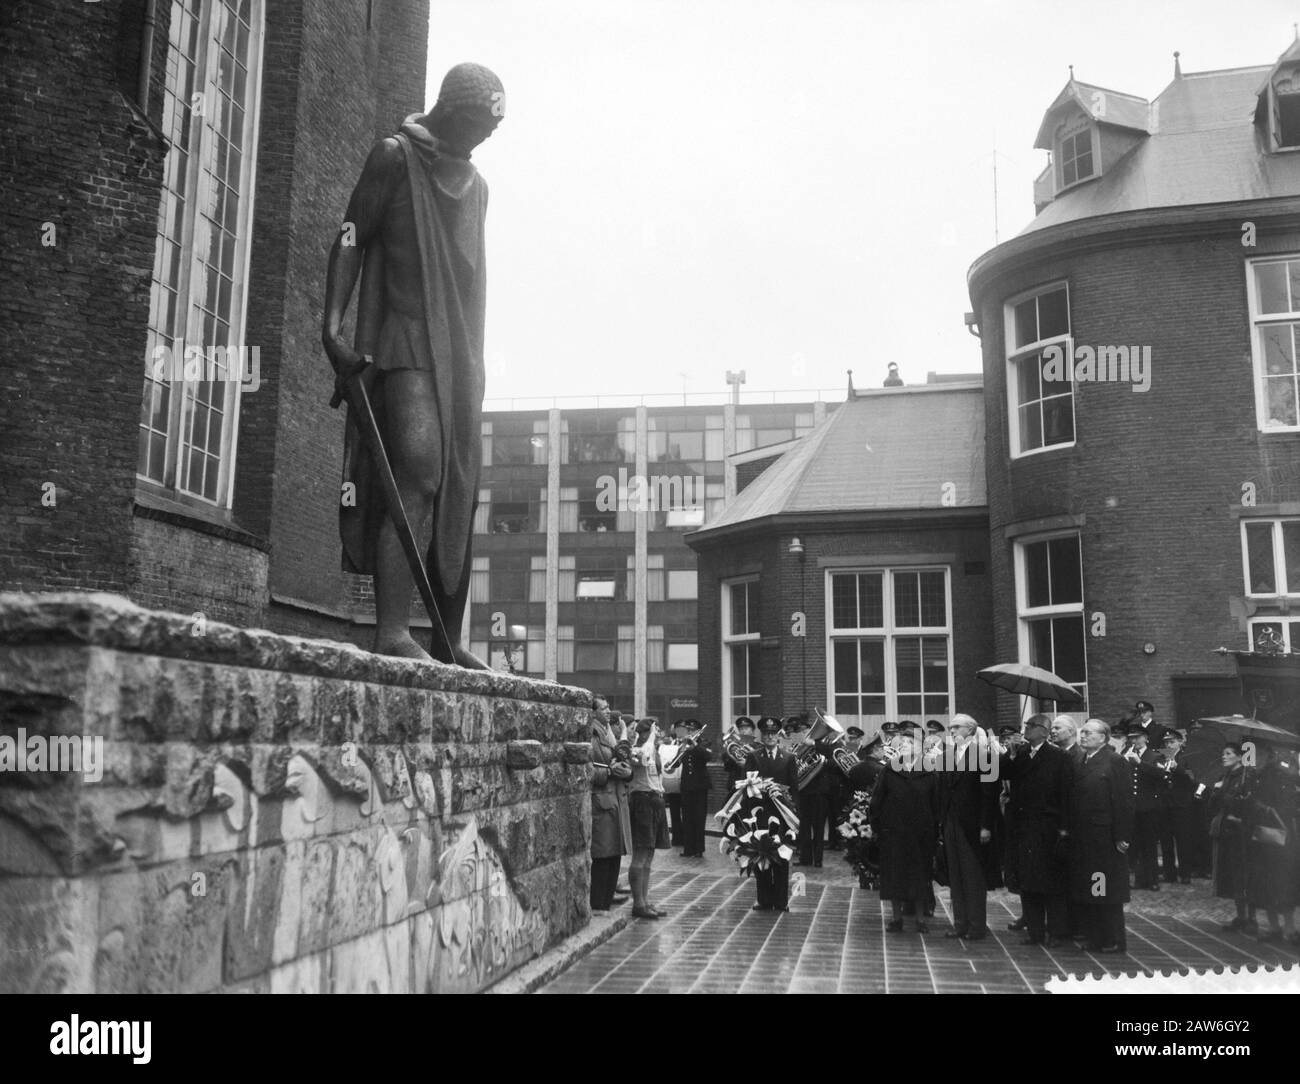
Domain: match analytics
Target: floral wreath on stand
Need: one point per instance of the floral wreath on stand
(759, 829)
(861, 849)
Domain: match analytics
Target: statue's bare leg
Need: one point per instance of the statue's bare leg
(414, 442)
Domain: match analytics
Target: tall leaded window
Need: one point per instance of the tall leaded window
(742, 684)
(1049, 603)
(890, 635)
(196, 353)
(1273, 289)
(1040, 371)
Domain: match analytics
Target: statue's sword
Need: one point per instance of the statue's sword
(358, 400)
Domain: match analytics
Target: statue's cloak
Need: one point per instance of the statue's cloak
(449, 203)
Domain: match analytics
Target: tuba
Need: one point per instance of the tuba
(809, 762)
(735, 749)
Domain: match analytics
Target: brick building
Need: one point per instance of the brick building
(1144, 503)
(187, 198)
(580, 572)
(851, 572)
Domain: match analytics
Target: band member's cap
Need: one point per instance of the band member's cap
(694, 724)
(1174, 735)
(744, 721)
(1005, 730)
(795, 724)
(933, 726)
(1143, 705)
(768, 725)
(855, 732)
(906, 726)
(889, 728)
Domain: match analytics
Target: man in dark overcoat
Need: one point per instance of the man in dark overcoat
(1101, 829)
(1039, 776)
(967, 807)
(1150, 785)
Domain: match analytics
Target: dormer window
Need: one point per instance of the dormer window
(1284, 90)
(1076, 156)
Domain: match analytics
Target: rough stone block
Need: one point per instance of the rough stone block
(523, 755)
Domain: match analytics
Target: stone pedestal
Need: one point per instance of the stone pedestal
(274, 814)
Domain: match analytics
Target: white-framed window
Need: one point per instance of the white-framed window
(889, 644)
(1040, 370)
(1270, 556)
(1267, 634)
(683, 657)
(564, 658)
(742, 674)
(1273, 292)
(1049, 608)
(1076, 156)
(197, 355)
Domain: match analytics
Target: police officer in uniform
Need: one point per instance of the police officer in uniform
(1149, 786)
(694, 792)
(1176, 842)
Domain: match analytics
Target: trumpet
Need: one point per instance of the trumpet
(686, 744)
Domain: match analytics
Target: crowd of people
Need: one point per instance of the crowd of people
(1071, 816)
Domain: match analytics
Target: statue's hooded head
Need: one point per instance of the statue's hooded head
(471, 103)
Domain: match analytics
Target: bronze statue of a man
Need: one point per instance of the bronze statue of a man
(414, 235)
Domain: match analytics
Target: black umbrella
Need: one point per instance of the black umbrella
(1026, 680)
(1207, 737)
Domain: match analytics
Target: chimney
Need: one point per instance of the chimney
(893, 380)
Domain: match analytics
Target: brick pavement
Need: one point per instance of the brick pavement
(833, 941)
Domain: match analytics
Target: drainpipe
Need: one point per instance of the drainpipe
(146, 55)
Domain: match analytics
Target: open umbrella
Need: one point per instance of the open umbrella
(1206, 738)
(1026, 680)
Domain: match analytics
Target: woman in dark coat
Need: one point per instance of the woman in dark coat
(1227, 806)
(611, 827)
(1270, 833)
(904, 814)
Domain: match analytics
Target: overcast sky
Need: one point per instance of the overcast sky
(789, 187)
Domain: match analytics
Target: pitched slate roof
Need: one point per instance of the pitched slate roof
(1202, 147)
(1110, 107)
(884, 450)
